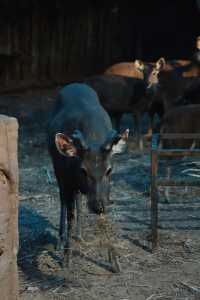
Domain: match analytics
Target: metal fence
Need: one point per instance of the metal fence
(159, 152)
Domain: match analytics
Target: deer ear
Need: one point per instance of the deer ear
(120, 145)
(65, 145)
(115, 142)
(139, 65)
(160, 64)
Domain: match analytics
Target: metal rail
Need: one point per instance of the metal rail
(158, 152)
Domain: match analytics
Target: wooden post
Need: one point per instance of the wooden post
(8, 208)
(154, 192)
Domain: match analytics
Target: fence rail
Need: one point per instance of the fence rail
(157, 152)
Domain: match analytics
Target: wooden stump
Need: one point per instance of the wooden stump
(8, 208)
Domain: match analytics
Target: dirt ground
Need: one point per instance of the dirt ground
(170, 273)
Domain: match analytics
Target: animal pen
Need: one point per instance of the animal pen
(161, 152)
(43, 47)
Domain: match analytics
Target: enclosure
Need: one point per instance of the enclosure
(44, 46)
(171, 272)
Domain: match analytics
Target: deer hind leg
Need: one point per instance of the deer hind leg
(116, 120)
(167, 188)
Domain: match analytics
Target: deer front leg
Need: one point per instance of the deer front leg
(70, 226)
(138, 133)
(78, 236)
(62, 227)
